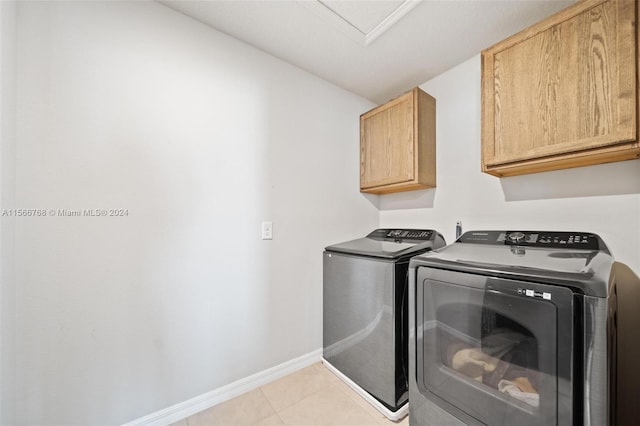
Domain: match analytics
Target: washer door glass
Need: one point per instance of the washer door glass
(490, 347)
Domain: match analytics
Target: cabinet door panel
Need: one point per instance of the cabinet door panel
(388, 145)
(566, 88)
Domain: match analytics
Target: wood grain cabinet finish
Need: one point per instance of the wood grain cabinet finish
(398, 145)
(563, 93)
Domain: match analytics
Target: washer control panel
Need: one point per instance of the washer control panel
(550, 239)
(402, 234)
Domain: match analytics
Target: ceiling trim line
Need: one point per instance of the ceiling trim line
(332, 18)
(388, 22)
(342, 24)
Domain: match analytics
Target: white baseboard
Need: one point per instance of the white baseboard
(194, 405)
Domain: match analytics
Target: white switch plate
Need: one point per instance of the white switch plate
(267, 230)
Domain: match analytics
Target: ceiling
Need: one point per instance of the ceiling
(376, 49)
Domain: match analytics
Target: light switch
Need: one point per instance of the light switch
(267, 230)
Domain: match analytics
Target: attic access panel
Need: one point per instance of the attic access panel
(363, 21)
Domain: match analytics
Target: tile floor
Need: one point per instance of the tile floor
(312, 396)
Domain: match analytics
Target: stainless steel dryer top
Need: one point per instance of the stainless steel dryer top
(578, 260)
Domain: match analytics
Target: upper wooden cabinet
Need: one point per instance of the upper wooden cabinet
(398, 145)
(563, 93)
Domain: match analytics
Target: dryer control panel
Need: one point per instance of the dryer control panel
(546, 239)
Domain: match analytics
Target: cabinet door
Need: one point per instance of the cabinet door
(566, 85)
(387, 143)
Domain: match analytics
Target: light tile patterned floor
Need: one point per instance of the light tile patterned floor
(312, 396)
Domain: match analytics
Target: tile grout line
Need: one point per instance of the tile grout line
(277, 412)
(281, 419)
(318, 366)
(269, 402)
(301, 400)
(349, 393)
(365, 405)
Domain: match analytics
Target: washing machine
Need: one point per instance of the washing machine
(365, 313)
(523, 328)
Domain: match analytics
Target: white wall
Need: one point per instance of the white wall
(131, 105)
(7, 198)
(603, 199)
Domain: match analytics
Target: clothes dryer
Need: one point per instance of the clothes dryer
(523, 328)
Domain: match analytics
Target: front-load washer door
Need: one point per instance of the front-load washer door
(495, 351)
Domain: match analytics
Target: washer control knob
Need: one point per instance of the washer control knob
(516, 237)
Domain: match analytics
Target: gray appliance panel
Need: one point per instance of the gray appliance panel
(595, 361)
(377, 248)
(584, 270)
(423, 411)
(359, 336)
(391, 244)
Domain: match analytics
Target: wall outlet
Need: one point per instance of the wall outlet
(267, 230)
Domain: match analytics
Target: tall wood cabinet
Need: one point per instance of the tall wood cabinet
(397, 145)
(563, 93)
